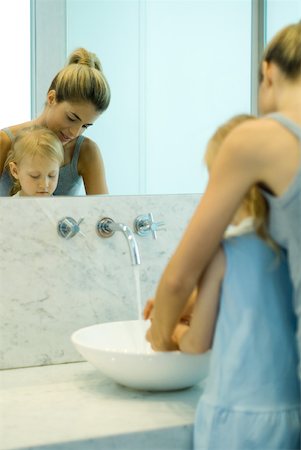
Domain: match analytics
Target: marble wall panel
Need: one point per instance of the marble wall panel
(50, 287)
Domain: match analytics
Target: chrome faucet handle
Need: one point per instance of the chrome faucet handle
(68, 227)
(145, 224)
(104, 227)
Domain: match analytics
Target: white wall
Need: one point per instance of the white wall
(15, 62)
(48, 47)
(281, 13)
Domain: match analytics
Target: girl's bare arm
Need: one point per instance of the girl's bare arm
(198, 336)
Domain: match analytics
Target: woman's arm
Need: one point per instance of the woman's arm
(198, 336)
(91, 168)
(235, 170)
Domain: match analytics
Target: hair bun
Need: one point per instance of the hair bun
(82, 56)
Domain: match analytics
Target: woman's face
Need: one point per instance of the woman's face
(68, 120)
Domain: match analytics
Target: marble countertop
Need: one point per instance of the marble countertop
(73, 406)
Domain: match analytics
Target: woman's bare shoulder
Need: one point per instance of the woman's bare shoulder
(261, 151)
(5, 140)
(89, 145)
(251, 132)
(90, 151)
(254, 143)
(5, 145)
(90, 156)
(14, 129)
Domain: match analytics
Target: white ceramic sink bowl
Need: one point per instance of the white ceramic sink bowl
(120, 351)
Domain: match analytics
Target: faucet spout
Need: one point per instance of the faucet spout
(132, 243)
(106, 227)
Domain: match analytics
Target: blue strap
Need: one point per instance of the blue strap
(9, 133)
(74, 161)
(287, 123)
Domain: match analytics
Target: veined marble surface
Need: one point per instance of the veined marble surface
(50, 287)
(73, 406)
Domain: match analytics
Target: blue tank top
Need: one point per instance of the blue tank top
(285, 223)
(70, 182)
(254, 356)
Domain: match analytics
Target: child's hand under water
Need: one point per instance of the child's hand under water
(187, 312)
(182, 326)
(147, 312)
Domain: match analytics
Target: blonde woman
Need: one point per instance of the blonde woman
(265, 152)
(76, 98)
(34, 162)
(244, 312)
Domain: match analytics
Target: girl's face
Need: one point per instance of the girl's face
(37, 175)
(68, 120)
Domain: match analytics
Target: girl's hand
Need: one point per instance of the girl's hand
(152, 335)
(186, 314)
(147, 312)
(157, 343)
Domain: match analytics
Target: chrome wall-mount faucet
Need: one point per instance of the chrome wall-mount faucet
(145, 225)
(106, 227)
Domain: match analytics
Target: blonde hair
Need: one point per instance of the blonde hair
(254, 202)
(82, 80)
(285, 51)
(32, 141)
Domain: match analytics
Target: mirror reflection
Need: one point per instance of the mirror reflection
(176, 70)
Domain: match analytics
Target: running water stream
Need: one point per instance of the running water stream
(142, 346)
(136, 270)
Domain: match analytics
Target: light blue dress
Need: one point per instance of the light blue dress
(251, 399)
(70, 182)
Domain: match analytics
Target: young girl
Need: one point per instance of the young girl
(77, 96)
(34, 162)
(244, 306)
(265, 152)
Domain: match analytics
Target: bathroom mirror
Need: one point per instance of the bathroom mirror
(177, 69)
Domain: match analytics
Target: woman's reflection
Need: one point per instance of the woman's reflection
(77, 96)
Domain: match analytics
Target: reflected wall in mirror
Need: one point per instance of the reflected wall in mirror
(173, 70)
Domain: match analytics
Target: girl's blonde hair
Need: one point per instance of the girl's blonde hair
(82, 80)
(285, 51)
(32, 141)
(254, 202)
